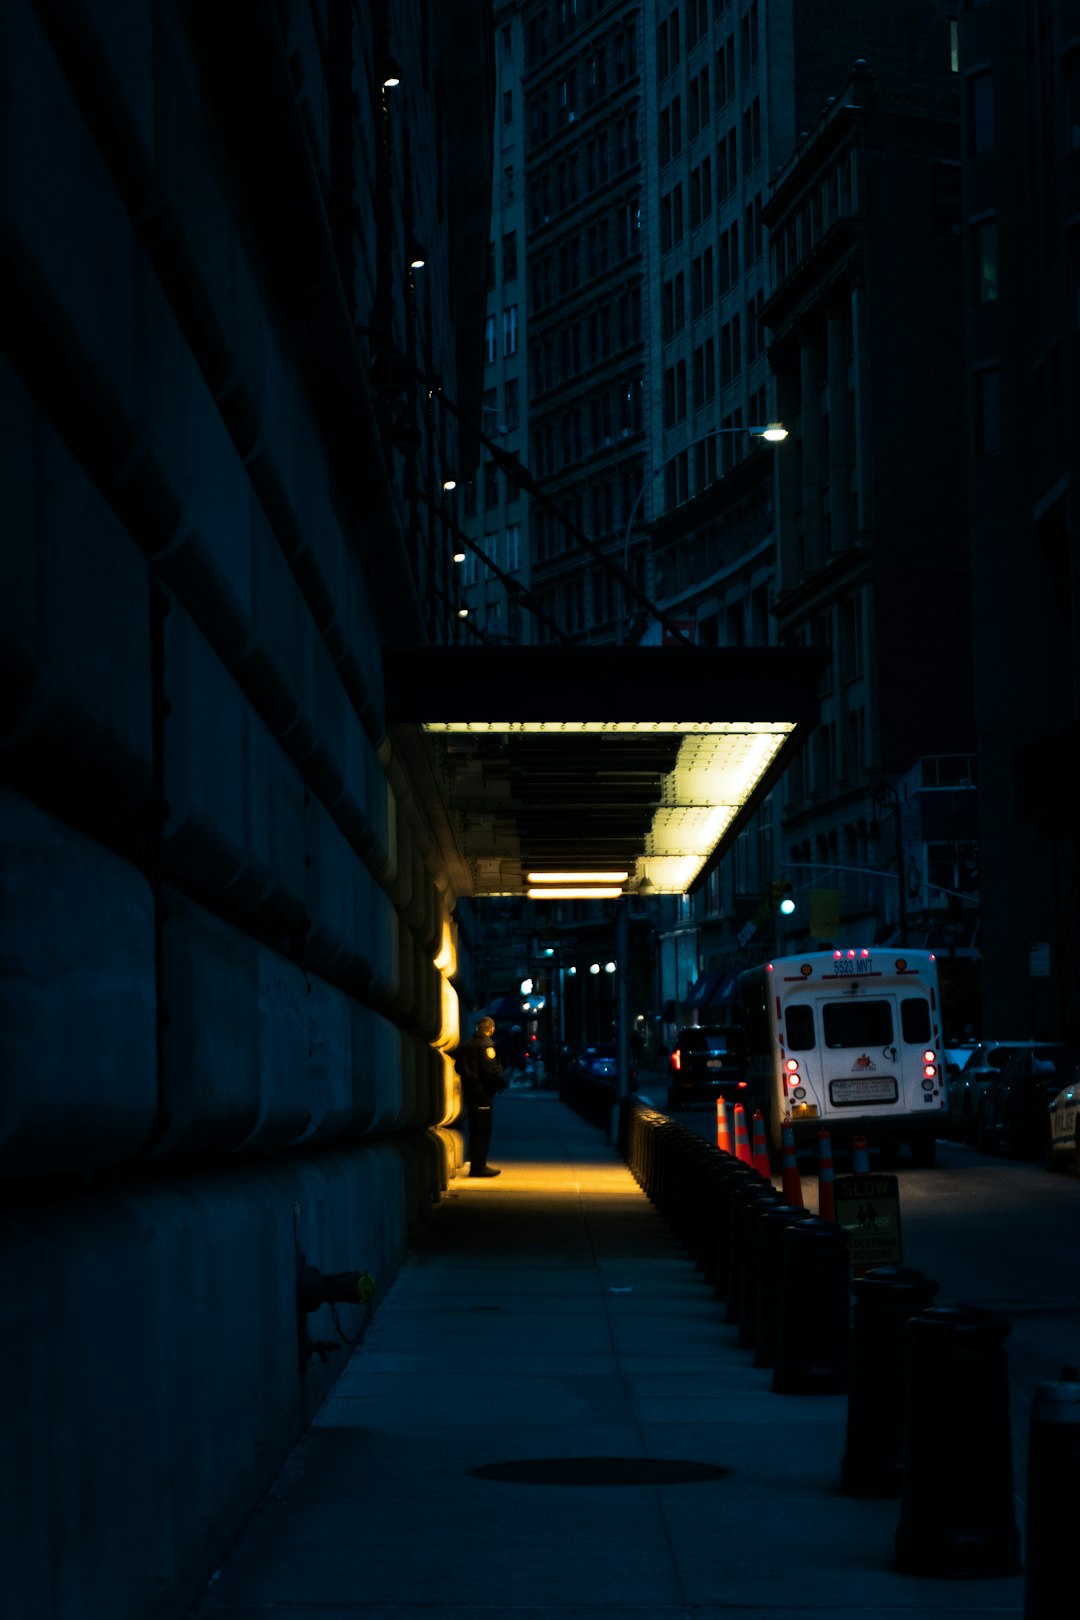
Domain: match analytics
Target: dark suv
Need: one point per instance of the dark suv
(706, 1063)
(1014, 1108)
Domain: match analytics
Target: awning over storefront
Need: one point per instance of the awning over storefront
(553, 771)
(716, 989)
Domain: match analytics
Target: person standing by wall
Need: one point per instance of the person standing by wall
(481, 1077)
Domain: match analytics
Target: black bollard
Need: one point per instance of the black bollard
(721, 1170)
(742, 1176)
(771, 1227)
(749, 1221)
(885, 1298)
(958, 1516)
(813, 1345)
(750, 1193)
(1053, 1498)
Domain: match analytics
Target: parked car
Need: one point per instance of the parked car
(706, 1063)
(1013, 1107)
(598, 1062)
(1062, 1146)
(964, 1090)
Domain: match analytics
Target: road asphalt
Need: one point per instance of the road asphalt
(549, 1419)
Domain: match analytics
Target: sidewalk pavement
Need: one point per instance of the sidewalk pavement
(550, 1316)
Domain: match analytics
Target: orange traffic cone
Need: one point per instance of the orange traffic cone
(742, 1141)
(723, 1126)
(761, 1147)
(826, 1197)
(791, 1181)
(860, 1156)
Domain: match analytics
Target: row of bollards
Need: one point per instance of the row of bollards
(927, 1385)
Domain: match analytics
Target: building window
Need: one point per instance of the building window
(980, 114)
(701, 283)
(491, 484)
(729, 258)
(704, 373)
(510, 256)
(510, 330)
(511, 405)
(987, 410)
(751, 135)
(671, 219)
(730, 351)
(698, 109)
(984, 261)
(700, 192)
(489, 340)
(508, 107)
(725, 71)
(675, 393)
(749, 41)
(726, 166)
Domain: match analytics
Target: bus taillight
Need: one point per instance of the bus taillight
(929, 1057)
(929, 1071)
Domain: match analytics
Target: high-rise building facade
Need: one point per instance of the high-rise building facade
(1019, 80)
(494, 510)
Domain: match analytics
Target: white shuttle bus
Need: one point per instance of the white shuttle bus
(848, 1041)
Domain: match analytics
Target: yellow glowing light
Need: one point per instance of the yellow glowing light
(577, 877)
(446, 961)
(595, 893)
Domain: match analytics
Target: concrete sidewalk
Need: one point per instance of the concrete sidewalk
(549, 1314)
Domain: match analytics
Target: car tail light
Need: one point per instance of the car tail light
(676, 1060)
(742, 1085)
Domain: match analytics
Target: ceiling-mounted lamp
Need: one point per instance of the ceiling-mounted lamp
(463, 613)
(459, 555)
(448, 484)
(391, 74)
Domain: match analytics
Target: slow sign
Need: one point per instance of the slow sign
(868, 1208)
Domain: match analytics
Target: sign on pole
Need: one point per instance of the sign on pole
(868, 1208)
(1039, 960)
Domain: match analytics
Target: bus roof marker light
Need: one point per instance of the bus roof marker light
(837, 955)
(864, 953)
(851, 956)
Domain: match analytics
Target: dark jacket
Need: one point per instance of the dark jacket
(480, 1070)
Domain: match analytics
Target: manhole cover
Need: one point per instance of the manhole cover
(600, 1471)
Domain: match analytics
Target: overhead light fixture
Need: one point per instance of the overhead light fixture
(463, 613)
(577, 877)
(642, 728)
(449, 483)
(773, 431)
(391, 74)
(459, 556)
(417, 259)
(553, 893)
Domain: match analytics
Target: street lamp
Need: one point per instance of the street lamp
(774, 432)
(886, 798)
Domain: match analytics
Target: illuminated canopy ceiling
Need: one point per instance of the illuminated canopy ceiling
(537, 765)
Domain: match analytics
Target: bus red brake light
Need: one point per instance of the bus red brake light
(929, 1071)
(791, 1065)
(929, 1057)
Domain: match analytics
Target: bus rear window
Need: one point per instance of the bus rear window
(915, 1020)
(799, 1020)
(857, 1023)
